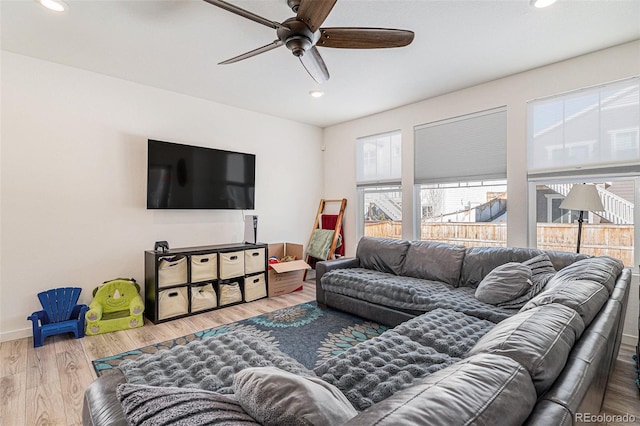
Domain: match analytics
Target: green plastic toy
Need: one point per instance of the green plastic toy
(116, 305)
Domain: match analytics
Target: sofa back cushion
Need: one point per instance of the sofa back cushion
(583, 296)
(382, 254)
(431, 260)
(539, 339)
(603, 270)
(485, 390)
(479, 261)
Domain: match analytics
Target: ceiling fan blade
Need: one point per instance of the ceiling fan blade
(259, 50)
(244, 13)
(364, 38)
(315, 66)
(314, 12)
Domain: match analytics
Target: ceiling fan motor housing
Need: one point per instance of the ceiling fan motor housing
(297, 36)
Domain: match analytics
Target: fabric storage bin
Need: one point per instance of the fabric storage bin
(204, 267)
(173, 302)
(255, 287)
(231, 264)
(254, 261)
(230, 293)
(203, 297)
(172, 270)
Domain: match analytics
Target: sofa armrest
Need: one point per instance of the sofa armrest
(101, 405)
(330, 265)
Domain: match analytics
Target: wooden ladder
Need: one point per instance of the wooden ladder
(336, 233)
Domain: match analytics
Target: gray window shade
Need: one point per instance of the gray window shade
(592, 131)
(463, 148)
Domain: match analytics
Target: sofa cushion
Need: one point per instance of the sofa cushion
(583, 296)
(153, 405)
(504, 283)
(382, 254)
(540, 339)
(603, 270)
(408, 293)
(209, 363)
(542, 271)
(479, 261)
(275, 397)
(482, 390)
(434, 261)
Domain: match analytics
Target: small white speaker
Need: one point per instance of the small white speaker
(251, 229)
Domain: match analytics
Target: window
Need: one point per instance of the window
(382, 211)
(460, 172)
(606, 233)
(378, 175)
(586, 136)
(466, 213)
(378, 158)
(592, 128)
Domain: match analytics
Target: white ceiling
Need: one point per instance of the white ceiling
(176, 45)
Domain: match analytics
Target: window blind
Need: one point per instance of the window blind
(592, 131)
(471, 147)
(379, 158)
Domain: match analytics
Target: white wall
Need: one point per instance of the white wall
(513, 92)
(73, 179)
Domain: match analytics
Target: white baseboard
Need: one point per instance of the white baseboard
(16, 334)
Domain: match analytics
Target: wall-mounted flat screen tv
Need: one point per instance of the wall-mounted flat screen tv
(191, 177)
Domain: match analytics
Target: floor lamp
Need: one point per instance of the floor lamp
(582, 197)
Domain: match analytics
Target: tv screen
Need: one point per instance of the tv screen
(191, 177)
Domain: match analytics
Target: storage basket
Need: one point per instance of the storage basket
(230, 293)
(204, 267)
(254, 261)
(172, 270)
(231, 264)
(203, 297)
(255, 287)
(173, 302)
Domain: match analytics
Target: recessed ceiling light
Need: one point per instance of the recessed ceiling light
(316, 93)
(542, 3)
(55, 5)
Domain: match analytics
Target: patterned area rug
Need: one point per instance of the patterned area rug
(305, 332)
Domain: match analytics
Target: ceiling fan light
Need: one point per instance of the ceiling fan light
(542, 3)
(54, 5)
(316, 93)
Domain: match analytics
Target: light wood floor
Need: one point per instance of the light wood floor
(44, 386)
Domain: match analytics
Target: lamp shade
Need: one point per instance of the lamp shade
(583, 197)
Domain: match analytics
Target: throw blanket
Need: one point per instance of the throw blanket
(376, 369)
(409, 293)
(208, 364)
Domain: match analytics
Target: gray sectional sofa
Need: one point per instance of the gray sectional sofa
(449, 358)
(566, 337)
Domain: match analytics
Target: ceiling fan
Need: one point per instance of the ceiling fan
(302, 34)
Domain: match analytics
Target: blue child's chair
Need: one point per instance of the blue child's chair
(60, 314)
